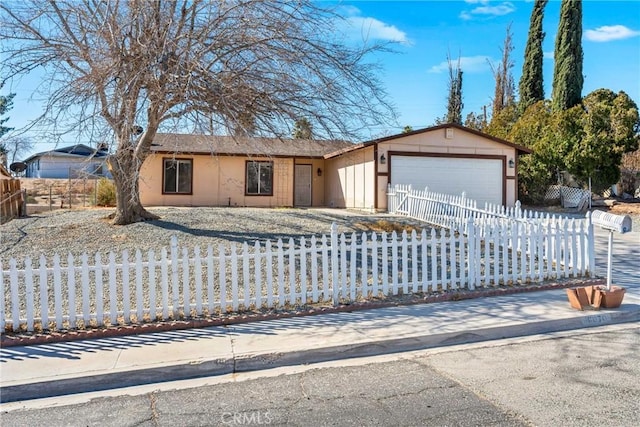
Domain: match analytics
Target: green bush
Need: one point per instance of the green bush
(105, 193)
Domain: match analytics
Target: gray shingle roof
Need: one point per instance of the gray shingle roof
(77, 150)
(254, 146)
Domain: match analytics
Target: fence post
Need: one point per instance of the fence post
(471, 254)
(591, 260)
(23, 205)
(174, 276)
(334, 262)
(2, 303)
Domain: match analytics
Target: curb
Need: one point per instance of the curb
(253, 362)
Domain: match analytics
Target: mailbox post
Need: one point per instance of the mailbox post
(611, 222)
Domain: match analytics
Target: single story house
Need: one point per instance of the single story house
(198, 170)
(74, 161)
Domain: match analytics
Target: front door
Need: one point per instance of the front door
(302, 190)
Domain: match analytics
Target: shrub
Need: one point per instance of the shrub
(106, 193)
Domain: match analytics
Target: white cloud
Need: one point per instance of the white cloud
(366, 28)
(371, 28)
(468, 64)
(499, 10)
(486, 9)
(348, 10)
(547, 55)
(610, 32)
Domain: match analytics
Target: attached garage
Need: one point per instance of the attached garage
(480, 178)
(449, 159)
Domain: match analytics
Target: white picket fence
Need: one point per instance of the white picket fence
(450, 211)
(569, 241)
(78, 292)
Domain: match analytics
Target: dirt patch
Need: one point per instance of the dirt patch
(618, 207)
(626, 208)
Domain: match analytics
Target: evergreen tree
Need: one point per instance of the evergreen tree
(531, 86)
(302, 129)
(567, 71)
(6, 103)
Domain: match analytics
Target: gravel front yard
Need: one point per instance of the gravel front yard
(79, 231)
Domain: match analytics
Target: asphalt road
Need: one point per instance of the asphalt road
(579, 378)
(582, 379)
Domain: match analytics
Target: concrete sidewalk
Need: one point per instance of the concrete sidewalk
(72, 367)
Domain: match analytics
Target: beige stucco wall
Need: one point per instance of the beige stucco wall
(317, 182)
(462, 143)
(347, 181)
(350, 180)
(220, 181)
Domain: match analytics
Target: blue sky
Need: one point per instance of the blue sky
(416, 76)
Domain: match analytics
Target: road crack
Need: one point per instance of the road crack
(233, 350)
(155, 418)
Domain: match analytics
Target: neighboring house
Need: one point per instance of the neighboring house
(75, 161)
(196, 170)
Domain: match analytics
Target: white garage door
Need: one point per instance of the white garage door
(481, 179)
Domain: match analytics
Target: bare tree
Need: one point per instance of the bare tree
(17, 147)
(214, 64)
(504, 94)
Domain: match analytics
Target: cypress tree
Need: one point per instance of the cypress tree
(454, 101)
(531, 86)
(567, 72)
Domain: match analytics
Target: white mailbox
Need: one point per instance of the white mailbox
(611, 222)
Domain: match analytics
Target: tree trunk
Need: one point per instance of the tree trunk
(125, 168)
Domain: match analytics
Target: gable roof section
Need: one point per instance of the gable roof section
(244, 146)
(78, 150)
(521, 149)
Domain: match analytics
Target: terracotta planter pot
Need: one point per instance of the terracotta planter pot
(611, 298)
(585, 297)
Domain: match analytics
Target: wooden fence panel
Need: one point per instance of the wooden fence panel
(11, 199)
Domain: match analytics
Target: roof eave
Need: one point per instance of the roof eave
(213, 153)
(521, 149)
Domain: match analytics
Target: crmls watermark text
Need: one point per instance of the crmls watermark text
(254, 418)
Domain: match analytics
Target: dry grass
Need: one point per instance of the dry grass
(387, 226)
